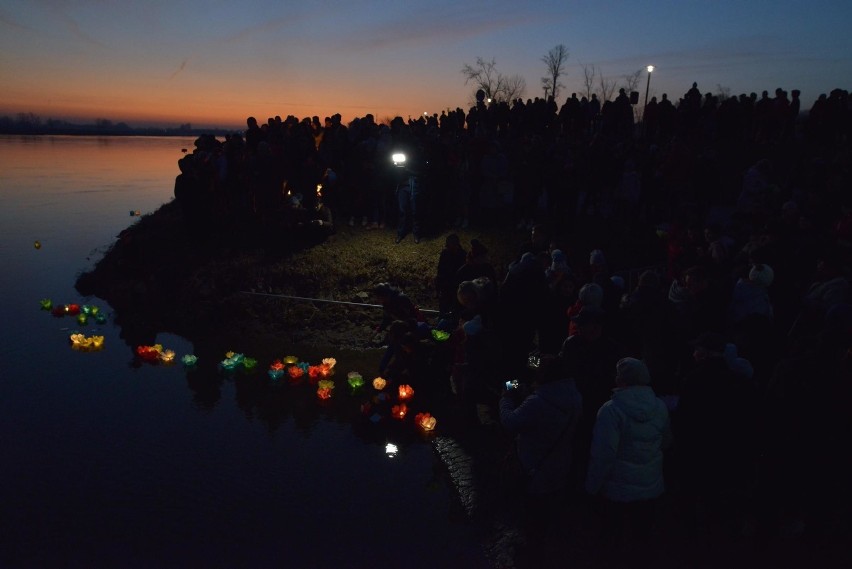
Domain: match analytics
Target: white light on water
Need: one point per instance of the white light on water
(391, 450)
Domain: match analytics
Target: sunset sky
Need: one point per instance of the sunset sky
(213, 63)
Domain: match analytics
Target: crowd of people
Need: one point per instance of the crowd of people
(721, 375)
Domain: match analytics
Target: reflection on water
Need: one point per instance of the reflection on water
(112, 462)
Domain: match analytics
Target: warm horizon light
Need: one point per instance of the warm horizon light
(214, 64)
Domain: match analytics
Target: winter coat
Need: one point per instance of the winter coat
(544, 425)
(627, 446)
(749, 298)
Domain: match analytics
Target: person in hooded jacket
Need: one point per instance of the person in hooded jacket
(543, 424)
(626, 464)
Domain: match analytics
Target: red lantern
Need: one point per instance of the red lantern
(314, 374)
(406, 392)
(399, 411)
(276, 366)
(73, 309)
(324, 393)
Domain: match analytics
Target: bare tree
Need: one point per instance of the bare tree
(546, 86)
(631, 81)
(555, 63)
(606, 87)
(512, 88)
(495, 85)
(722, 93)
(589, 74)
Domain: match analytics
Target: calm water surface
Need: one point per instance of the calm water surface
(107, 463)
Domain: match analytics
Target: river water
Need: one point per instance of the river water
(109, 463)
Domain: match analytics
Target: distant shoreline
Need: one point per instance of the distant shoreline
(94, 131)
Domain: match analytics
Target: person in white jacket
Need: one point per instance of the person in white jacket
(626, 464)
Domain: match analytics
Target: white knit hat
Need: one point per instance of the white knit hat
(761, 274)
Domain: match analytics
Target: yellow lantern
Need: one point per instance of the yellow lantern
(379, 383)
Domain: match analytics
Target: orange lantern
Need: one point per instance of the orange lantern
(324, 393)
(425, 421)
(276, 366)
(379, 383)
(406, 392)
(399, 411)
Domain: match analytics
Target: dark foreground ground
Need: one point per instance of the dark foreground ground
(160, 277)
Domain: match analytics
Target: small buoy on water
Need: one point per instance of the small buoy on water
(37, 244)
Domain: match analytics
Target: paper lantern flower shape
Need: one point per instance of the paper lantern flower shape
(167, 356)
(355, 380)
(149, 353)
(295, 372)
(325, 384)
(440, 335)
(314, 374)
(37, 244)
(325, 370)
(330, 362)
(406, 392)
(86, 344)
(290, 360)
(189, 360)
(100, 317)
(46, 304)
(425, 421)
(237, 358)
(379, 383)
(276, 370)
(399, 411)
(229, 364)
(249, 364)
(324, 393)
(72, 309)
(82, 319)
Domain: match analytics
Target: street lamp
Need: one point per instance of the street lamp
(650, 69)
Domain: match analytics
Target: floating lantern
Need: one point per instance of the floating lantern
(330, 362)
(189, 360)
(425, 421)
(355, 380)
(100, 318)
(82, 319)
(37, 244)
(249, 363)
(94, 310)
(277, 366)
(86, 309)
(314, 373)
(379, 383)
(77, 338)
(324, 370)
(324, 393)
(46, 304)
(72, 309)
(228, 364)
(275, 374)
(290, 360)
(97, 342)
(440, 335)
(295, 372)
(325, 384)
(399, 411)
(86, 344)
(406, 392)
(167, 356)
(149, 353)
(304, 366)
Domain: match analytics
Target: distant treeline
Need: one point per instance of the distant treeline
(31, 124)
